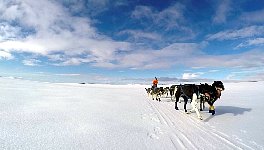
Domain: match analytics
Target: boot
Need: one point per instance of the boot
(212, 110)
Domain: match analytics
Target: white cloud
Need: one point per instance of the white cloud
(70, 74)
(252, 42)
(142, 12)
(213, 71)
(222, 12)
(5, 55)
(8, 32)
(139, 34)
(184, 54)
(172, 16)
(169, 18)
(190, 75)
(248, 59)
(57, 33)
(23, 46)
(257, 77)
(176, 53)
(70, 61)
(93, 7)
(254, 73)
(31, 62)
(237, 34)
(254, 17)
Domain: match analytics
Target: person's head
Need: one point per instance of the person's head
(156, 78)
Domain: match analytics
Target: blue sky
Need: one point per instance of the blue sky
(101, 40)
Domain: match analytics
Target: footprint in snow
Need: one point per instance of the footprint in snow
(237, 138)
(243, 131)
(144, 116)
(155, 119)
(157, 130)
(153, 136)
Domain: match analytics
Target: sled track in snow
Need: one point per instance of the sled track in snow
(188, 132)
(179, 140)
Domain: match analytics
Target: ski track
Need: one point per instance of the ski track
(185, 130)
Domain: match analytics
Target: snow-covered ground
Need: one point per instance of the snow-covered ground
(35, 115)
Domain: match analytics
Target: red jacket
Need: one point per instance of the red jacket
(155, 82)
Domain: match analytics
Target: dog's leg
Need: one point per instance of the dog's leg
(155, 95)
(194, 105)
(185, 103)
(177, 99)
(152, 95)
(159, 96)
(201, 103)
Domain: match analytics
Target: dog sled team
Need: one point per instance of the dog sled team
(198, 94)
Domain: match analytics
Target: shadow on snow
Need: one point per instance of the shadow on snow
(221, 110)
